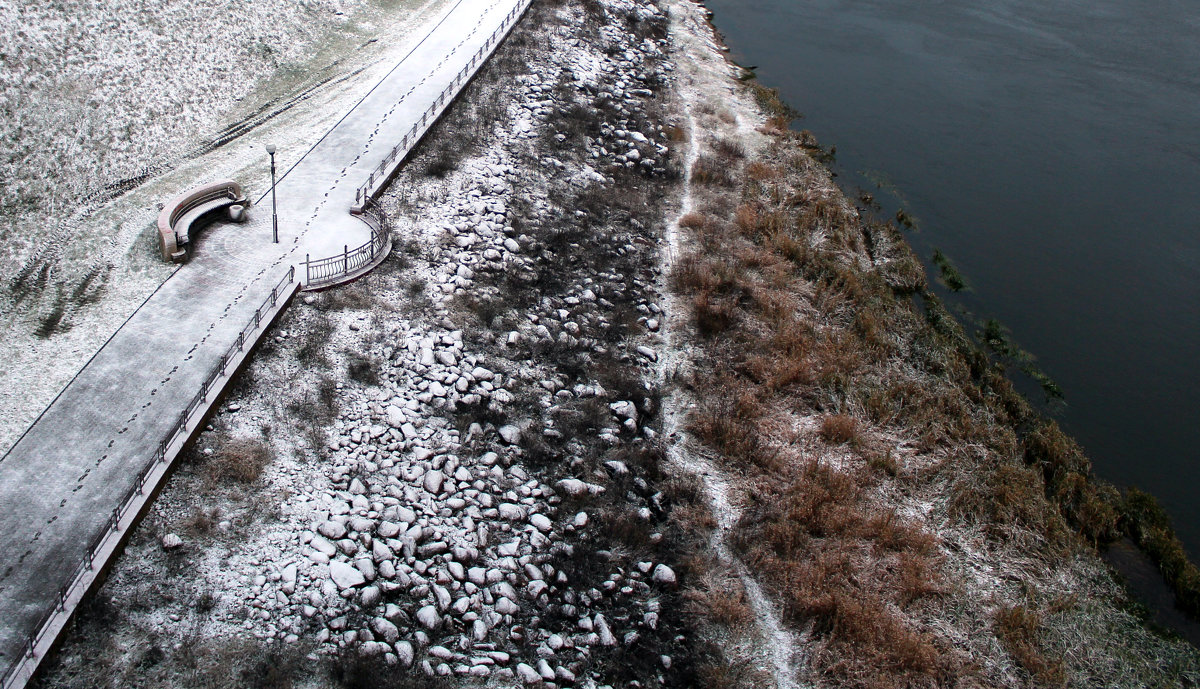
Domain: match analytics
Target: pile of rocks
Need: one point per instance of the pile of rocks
(421, 552)
(440, 549)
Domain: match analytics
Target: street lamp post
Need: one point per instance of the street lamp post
(274, 212)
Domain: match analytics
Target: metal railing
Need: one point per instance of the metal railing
(132, 497)
(326, 271)
(321, 271)
(409, 140)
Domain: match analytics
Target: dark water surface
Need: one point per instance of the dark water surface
(1051, 149)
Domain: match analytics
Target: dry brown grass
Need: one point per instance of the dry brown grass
(693, 221)
(728, 149)
(805, 307)
(761, 172)
(239, 461)
(713, 314)
(710, 170)
(799, 313)
(841, 562)
(202, 521)
(839, 429)
(746, 219)
(719, 597)
(1020, 630)
(676, 134)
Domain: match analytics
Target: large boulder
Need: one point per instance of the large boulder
(345, 576)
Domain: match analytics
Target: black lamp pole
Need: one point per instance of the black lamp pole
(274, 213)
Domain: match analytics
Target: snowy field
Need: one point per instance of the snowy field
(111, 108)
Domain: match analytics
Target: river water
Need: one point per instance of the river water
(1051, 150)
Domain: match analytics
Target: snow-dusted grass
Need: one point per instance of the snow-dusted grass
(155, 98)
(886, 504)
(97, 92)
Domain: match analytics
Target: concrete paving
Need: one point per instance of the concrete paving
(61, 480)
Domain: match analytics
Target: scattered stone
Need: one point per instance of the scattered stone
(433, 481)
(404, 653)
(511, 512)
(527, 674)
(541, 522)
(345, 576)
(663, 575)
(429, 618)
(510, 434)
(332, 530)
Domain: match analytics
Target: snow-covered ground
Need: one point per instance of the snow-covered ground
(198, 94)
(432, 502)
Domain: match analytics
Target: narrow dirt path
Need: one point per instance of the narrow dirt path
(720, 487)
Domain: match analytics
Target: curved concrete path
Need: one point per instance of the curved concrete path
(61, 480)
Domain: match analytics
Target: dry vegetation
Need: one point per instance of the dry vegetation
(894, 471)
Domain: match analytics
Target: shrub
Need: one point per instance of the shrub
(363, 369)
(712, 171)
(240, 461)
(713, 315)
(839, 429)
(729, 149)
(760, 171)
(721, 599)
(1019, 630)
(444, 162)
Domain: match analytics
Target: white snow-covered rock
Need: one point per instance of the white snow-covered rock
(602, 630)
(510, 434)
(527, 674)
(664, 575)
(429, 618)
(511, 512)
(624, 409)
(404, 653)
(332, 530)
(433, 481)
(385, 629)
(345, 576)
(541, 522)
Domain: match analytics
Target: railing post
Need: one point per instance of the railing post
(345, 258)
(307, 270)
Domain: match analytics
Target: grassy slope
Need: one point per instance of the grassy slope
(912, 513)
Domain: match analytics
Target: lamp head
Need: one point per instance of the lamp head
(271, 149)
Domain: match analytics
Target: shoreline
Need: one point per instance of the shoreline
(1148, 522)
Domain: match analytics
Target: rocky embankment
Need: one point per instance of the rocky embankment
(478, 495)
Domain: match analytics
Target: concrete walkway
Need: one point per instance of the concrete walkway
(61, 481)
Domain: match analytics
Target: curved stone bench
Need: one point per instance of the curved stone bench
(176, 219)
